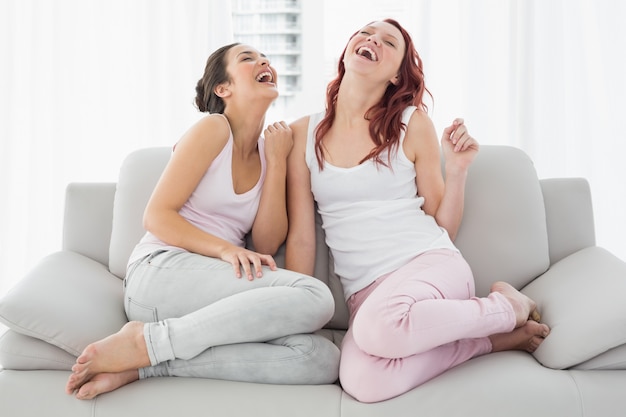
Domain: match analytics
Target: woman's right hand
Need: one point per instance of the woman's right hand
(250, 261)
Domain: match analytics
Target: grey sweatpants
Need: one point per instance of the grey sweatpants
(203, 321)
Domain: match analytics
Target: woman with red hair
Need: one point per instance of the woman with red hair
(371, 162)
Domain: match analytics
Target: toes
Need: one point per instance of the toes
(86, 354)
(72, 385)
(84, 393)
(534, 315)
(76, 381)
(534, 343)
(79, 368)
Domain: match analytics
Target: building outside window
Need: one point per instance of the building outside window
(277, 29)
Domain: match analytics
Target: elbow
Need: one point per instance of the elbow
(147, 221)
(449, 224)
(268, 244)
(153, 221)
(452, 233)
(300, 255)
(267, 248)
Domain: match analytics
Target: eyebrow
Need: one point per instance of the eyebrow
(384, 32)
(250, 53)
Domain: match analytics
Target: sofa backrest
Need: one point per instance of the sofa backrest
(503, 235)
(139, 174)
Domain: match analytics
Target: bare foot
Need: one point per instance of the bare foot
(106, 382)
(523, 306)
(123, 351)
(527, 337)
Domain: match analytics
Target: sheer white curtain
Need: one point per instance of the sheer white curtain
(547, 76)
(83, 83)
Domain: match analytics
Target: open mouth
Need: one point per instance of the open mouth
(265, 77)
(368, 53)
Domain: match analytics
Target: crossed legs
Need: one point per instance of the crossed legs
(423, 319)
(183, 304)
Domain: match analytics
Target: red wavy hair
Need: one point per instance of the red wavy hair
(385, 117)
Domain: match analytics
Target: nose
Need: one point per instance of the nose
(264, 60)
(374, 38)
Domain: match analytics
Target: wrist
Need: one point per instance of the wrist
(276, 164)
(452, 171)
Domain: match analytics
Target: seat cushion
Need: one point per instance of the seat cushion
(67, 300)
(507, 384)
(612, 359)
(581, 298)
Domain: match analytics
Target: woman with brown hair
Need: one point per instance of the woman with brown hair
(200, 303)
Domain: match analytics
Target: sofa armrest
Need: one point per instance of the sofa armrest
(569, 216)
(88, 219)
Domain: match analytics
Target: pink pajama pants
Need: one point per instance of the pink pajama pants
(415, 323)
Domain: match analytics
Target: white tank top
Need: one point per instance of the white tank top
(214, 207)
(372, 215)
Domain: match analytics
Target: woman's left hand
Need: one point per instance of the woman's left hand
(459, 148)
(278, 141)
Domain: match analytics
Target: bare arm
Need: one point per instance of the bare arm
(300, 254)
(443, 200)
(194, 153)
(270, 225)
(459, 151)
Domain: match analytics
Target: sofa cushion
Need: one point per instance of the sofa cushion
(503, 384)
(139, 174)
(612, 359)
(67, 300)
(27, 353)
(503, 235)
(581, 298)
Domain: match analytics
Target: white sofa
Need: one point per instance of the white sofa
(536, 234)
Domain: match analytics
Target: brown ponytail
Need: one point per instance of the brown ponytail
(214, 75)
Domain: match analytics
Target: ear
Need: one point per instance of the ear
(222, 90)
(395, 80)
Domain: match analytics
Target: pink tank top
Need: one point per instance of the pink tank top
(214, 207)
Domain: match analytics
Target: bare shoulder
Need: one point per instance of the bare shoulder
(421, 136)
(300, 125)
(210, 133)
(300, 128)
(213, 124)
(193, 154)
(420, 121)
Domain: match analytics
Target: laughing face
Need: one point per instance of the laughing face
(377, 48)
(250, 71)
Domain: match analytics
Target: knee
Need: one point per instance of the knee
(318, 356)
(374, 335)
(369, 340)
(323, 299)
(352, 383)
(359, 382)
(325, 358)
